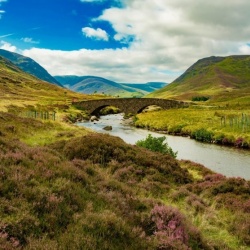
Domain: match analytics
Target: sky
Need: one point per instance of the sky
(127, 41)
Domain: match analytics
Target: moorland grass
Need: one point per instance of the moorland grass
(97, 192)
(214, 125)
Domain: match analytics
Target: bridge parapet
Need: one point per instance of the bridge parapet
(128, 105)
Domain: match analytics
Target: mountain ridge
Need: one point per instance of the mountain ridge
(95, 84)
(218, 78)
(29, 65)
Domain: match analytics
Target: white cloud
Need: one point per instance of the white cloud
(6, 35)
(168, 37)
(29, 40)
(178, 32)
(7, 46)
(121, 65)
(245, 49)
(97, 34)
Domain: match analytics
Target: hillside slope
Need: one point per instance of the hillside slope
(219, 78)
(20, 88)
(29, 65)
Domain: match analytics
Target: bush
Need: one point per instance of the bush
(202, 135)
(156, 144)
(172, 230)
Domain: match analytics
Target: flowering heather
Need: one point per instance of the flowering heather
(97, 192)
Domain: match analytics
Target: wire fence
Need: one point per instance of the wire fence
(44, 115)
(236, 121)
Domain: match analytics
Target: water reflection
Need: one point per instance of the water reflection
(227, 161)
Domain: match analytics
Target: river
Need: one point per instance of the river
(230, 162)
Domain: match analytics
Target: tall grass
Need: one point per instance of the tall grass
(228, 127)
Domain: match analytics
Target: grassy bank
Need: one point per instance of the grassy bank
(68, 189)
(221, 126)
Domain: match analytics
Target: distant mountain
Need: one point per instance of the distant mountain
(69, 80)
(94, 84)
(29, 65)
(218, 78)
(147, 87)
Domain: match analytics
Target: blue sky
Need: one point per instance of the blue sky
(56, 24)
(124, 40)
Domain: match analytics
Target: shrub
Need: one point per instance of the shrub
(202, 135)
(172, 230)
(156, 144)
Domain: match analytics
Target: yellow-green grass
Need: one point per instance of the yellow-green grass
(21, 89)
(36, 132)
(187, 121)
(214, 223)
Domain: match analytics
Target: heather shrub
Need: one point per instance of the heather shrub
(172, 230)
(240, 226)
(105, 230)
(241, 143)
(228, 140)
(96, 192)
(196, 203)
(104, 149)
(97, 148)
(180, 194)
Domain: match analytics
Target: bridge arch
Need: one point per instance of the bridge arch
(96, 112)
(128, 105)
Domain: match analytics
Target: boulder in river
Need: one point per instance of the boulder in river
(108, 128)
(94, 118)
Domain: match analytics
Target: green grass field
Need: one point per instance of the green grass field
(223, 126)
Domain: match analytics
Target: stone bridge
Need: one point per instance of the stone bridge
(127, 105)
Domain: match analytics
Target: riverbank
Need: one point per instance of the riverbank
(222, 127)
(229, 161)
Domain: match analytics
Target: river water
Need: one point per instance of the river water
(230, 162)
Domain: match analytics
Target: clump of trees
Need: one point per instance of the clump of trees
(200, 98)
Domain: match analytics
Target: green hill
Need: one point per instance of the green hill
(28, 65)
(21, 89)
(217, 78)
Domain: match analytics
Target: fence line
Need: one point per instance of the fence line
(44, 115)
(236, 121)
